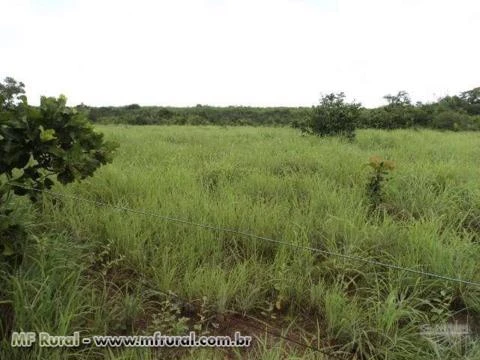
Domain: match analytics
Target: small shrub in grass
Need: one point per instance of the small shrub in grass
(381, 169)
(169, 319)
(333, 117)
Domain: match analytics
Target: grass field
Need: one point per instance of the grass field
(103, 271)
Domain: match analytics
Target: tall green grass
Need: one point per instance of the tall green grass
(104, 271)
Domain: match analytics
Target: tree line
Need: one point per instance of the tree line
(457, 112)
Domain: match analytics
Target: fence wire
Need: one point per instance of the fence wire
(254, 236)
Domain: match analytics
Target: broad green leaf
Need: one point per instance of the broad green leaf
(47, 135)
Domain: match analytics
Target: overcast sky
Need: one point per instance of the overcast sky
(239, 52)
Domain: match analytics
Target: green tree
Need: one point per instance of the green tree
(471, 96)
(333, 117)
(398, 113)
(401, 99)
(471, 99)
(11, 92)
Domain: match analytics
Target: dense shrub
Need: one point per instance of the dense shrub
(390, 118)
(452, 120)
(333, 117)
(398, 114)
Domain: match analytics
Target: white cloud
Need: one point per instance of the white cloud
(250, 52)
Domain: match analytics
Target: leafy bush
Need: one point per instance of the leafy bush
(333, 117)
(38, 143)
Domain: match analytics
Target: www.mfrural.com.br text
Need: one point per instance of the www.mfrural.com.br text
(44, 339)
